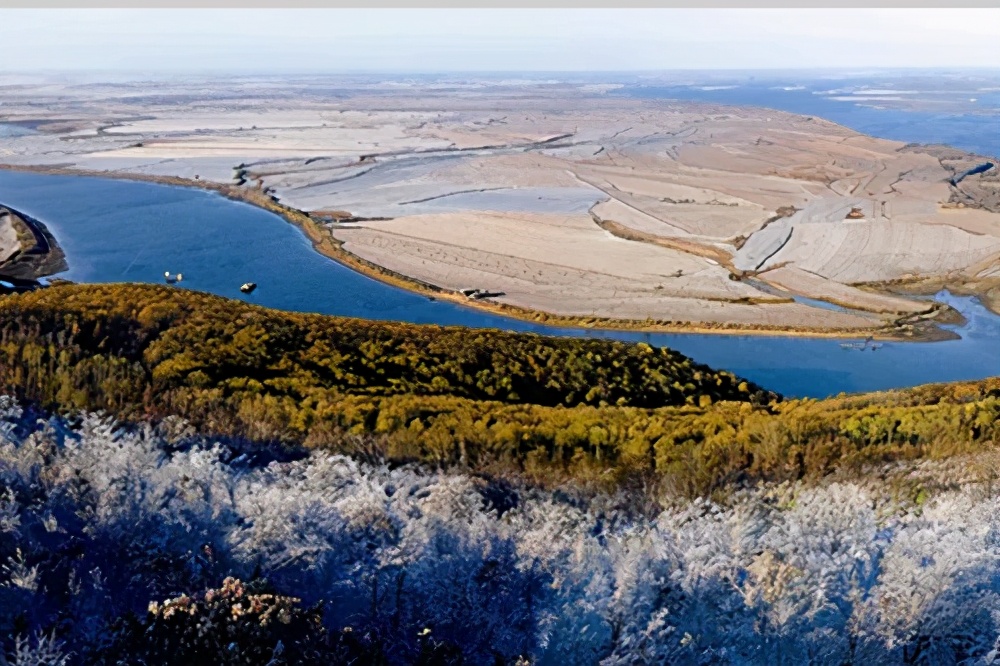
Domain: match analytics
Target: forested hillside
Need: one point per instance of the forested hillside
(547, 408)
(91, 342)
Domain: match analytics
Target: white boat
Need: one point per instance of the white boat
(171, 279)
(248, 287)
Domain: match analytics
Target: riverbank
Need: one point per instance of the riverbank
(906, 329)
(987, 290)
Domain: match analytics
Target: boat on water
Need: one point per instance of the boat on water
(248, 287)
(869, 343)
(171, 279)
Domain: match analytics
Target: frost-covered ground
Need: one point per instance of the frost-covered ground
(96, 521)
(567, 198)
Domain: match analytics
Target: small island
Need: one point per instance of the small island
(28, 250)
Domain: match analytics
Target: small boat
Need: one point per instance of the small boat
(171, 279)
(869, 343)
(248, 287)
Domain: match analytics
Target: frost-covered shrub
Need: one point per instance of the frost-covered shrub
(232, 624)
(406, 565)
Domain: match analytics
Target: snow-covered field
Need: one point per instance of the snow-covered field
(515, 159)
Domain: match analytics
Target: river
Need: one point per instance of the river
(114, 231)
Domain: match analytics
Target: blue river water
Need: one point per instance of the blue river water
(115, 231)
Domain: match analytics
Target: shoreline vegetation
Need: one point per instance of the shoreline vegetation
(916, 328)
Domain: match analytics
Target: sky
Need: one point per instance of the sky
(440, 40)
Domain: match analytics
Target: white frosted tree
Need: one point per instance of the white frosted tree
(97, 520)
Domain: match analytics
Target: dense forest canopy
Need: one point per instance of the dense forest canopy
(190, 340)
(489, 401)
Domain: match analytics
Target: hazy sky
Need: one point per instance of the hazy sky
(495, 39)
